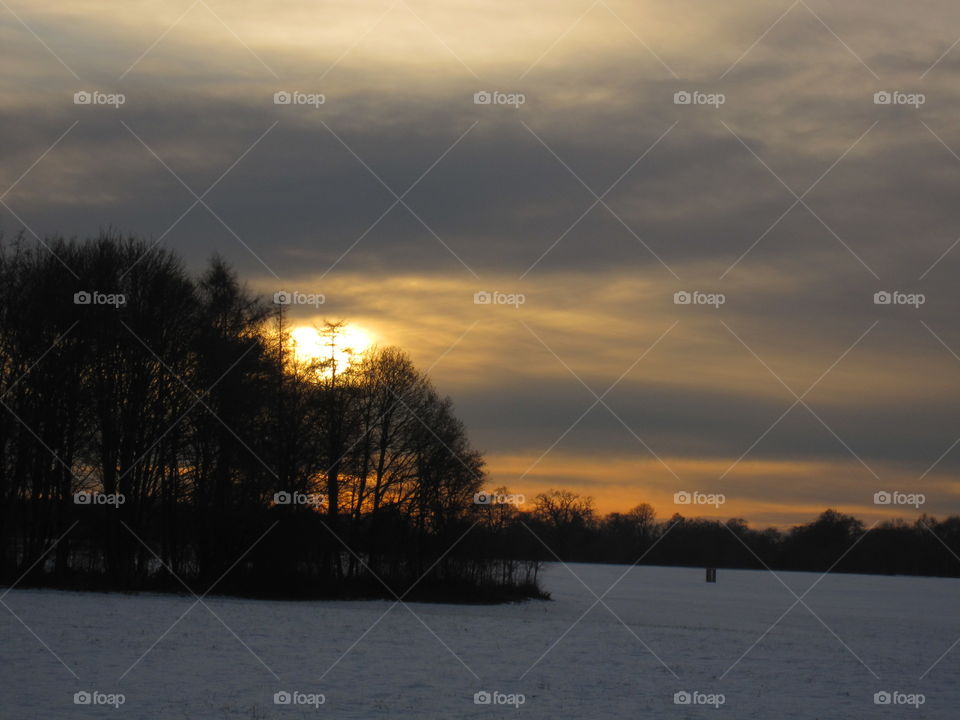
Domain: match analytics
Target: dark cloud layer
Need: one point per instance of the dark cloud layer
(500, 197)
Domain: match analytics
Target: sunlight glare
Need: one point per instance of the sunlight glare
(310, 345)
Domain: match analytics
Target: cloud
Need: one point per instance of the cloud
(597, 198)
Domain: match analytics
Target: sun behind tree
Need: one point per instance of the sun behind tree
(346, 345)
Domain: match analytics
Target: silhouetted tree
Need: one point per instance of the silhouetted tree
(181, 398)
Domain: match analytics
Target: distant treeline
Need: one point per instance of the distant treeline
(158, 432)
(564, 525)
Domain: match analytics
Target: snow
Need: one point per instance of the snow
(377, 659)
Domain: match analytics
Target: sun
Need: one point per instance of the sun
(310, 345)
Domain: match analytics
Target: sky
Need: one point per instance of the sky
(587, 194)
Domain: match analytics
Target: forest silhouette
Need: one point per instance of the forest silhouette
(158, 432)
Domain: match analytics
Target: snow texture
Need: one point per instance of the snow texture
(658, 632)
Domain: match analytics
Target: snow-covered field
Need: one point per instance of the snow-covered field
(851, 636)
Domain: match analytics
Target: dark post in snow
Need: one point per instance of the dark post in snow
(711, 575)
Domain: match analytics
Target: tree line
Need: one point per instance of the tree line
(564, 525)
(157, 431)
